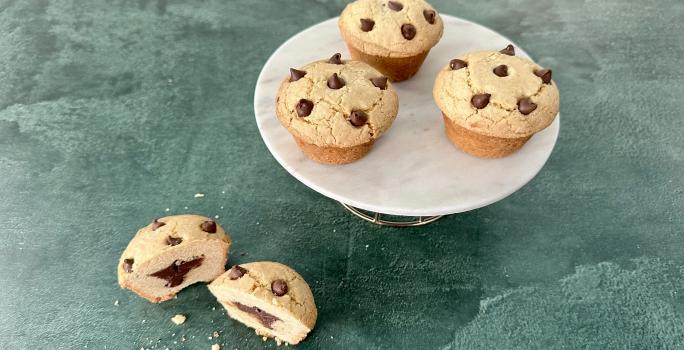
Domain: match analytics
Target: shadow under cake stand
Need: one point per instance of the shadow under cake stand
(413, 175)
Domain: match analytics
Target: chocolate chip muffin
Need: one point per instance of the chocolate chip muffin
(392, 36)
(335, 109)
(172, 253)
(493, 102)
(269, 297)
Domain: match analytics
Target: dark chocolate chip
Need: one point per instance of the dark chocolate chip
(173, 240)
(480, 101)
(457, 64)
(208, 226)
(429, 16)
(544, 74)
(236, 272)
(367, 24)
(128, 265)
(526, 106)
(264, 317)
(296, 74)
(336, 59)
(335, 82)
(279, 287)
(380, 82)
(501, 71)
(157, 224)
(175, 273)
(358, 118)
(509, 50)
(304, 108)
(408, 31)
(395, 6)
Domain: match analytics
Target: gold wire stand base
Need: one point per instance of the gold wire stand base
(376, 218)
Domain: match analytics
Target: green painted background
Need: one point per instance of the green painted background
(113, 111)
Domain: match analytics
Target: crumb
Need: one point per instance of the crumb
(185, 207)
(223, 192)
(215, 334)
(216, 216)
(143, 321)
(173, 334)
(199, 195)
(167, 209)
(210, 338)
(213, 308)
(116, 303)
(264, 338)
(257, 222)
(183, 338)
(221, 207)
(366, 246)
(178, 319)
(216, 347)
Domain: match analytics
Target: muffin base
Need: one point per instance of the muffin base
(331, 154)
(481, 145)
(395, 68)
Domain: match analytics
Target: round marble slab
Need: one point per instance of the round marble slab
(412, 170)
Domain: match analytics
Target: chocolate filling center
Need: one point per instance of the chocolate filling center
(264, 317)
(175, 273)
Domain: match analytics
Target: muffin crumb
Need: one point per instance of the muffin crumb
(178, 319)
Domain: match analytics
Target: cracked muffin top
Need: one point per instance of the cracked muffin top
(497, 94)
(399, 28)
(336, 103)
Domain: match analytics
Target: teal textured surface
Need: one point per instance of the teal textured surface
(112, 112)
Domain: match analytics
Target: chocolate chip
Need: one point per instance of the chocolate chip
(304, 108)
(429, 16)
(264, 317)
(157, 224)
(480, 101)
(335, 82)
(336, 59)
(208, 226)
(173, 240)
(358, 118)
(296, 74)
(544, 74)
(509, 50)
(501, 71)
(128, 265)
(408, 31)
(236, 272)
(279, 287)
(395, 6)
(380, 82)
(175, 273)
(367, 24)
(526, 106)
(457, 64)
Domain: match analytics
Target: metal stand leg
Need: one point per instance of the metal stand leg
(376, 218)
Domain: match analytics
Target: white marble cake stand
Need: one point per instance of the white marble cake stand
(413, 170)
